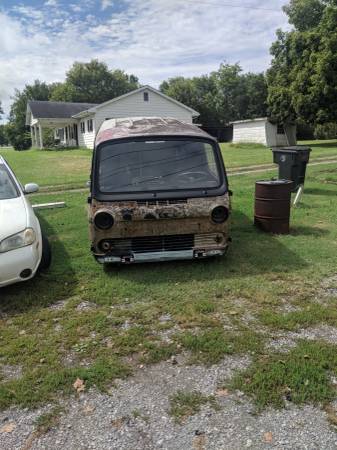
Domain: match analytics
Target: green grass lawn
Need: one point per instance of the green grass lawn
(51, 167)
(47, 330)
(71, 168)
(239, 155)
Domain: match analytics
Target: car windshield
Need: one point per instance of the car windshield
(7, 187)
(157, 165)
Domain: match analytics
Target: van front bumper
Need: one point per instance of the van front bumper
(161, 256)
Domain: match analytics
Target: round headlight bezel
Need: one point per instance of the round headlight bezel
(103, 220)
(219, 214)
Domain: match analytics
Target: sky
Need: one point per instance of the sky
(153, 39)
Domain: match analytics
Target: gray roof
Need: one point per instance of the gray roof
(147, 126)
(57, 110)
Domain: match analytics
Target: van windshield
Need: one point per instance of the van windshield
(7, 187)
(157, 165)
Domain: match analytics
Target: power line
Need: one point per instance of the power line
(230, 5)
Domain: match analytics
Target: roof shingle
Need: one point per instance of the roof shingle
(57, 110)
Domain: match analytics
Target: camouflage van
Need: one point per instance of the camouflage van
(158, 192)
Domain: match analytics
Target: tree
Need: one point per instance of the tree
(39, 90)
(1, 110)
(304, 14)
(197, 93)
(256, 92)
(222, 96)
(230, 98)
(18, 138)
(302, 79)
(17, 130)
(62, 92)
(93, 82)
(3, 135)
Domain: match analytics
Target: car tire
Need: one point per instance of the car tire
(46, 254)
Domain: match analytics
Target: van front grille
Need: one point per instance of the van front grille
(147, 244)
(176, 201)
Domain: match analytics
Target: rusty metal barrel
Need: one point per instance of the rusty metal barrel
(272, 205)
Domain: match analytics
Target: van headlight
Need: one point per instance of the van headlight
(220, 214)
(22, 239)
(103, 220)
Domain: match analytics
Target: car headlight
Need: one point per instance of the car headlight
(22, 239)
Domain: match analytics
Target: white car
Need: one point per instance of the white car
(23, 248)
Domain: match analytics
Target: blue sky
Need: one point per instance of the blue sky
(154, 39)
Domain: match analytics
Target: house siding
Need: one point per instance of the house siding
(263, 132)
(135, 106)
(86, 139)
(275, 139)
(254, 131)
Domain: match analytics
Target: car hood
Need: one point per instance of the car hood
(13, 216)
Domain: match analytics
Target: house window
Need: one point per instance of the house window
(146, 96)
(280, 129)
(90, 125)
(66, 133)
(82, 127)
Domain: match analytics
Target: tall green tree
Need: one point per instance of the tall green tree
(222, 96)
(302, 79)
(93, 82)
(1, 110)
(230, 96)
(17, 131)
(197, 93)
(39, 90)
(3, 135)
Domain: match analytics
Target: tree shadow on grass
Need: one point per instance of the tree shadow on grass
(252, 253)
(323, 144)
(323, 192)
(302, 230)
(55, 284)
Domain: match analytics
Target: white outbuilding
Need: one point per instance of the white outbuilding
(76, 124)
(263, 131)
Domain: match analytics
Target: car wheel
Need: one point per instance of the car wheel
(46, 254)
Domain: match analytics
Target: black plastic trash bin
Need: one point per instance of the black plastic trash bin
(292, 163)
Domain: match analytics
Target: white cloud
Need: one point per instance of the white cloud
(52, 3)
(106, 4)
(75, 7)
(154, 39)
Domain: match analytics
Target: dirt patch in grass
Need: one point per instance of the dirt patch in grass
(328, 288)
(10, 372)
(286, 341)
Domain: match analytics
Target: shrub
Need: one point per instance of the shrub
(19, 138)
(48, 138)
(326, 131)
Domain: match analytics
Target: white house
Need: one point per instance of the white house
(76, 124)
(262, 131)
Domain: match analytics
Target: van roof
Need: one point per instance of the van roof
(147, 126)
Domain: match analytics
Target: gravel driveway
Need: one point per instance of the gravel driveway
(135, 416)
